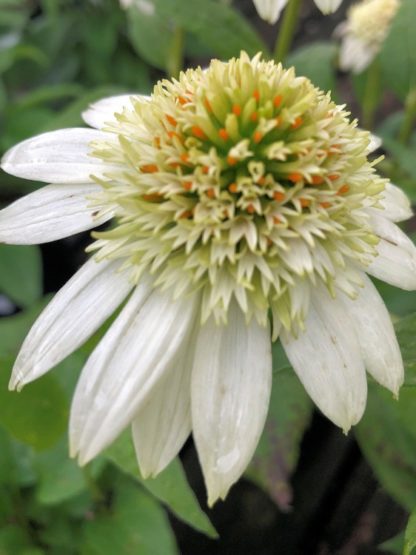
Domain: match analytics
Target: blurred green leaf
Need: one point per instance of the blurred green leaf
(21, 274)
(388, 445)
(410, 535)
(14, 540)
(60, 477)
(216, 25)
(135, 524)
(170, 487)
(277, 453)
(38, 414)
(398, 301)
(21, 124)
(316, 61)
(406, 335)
(398, 54)
(393, 545)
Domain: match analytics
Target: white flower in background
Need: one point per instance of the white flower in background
(270, 10)
(239, 195)
(364, 32)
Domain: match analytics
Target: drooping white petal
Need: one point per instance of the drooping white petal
(57, 157)
(73, 315)
(231, 381)
(140, 348)
(103, 111)
(51, 213)
(355, 55)
(396, 204)
(328, 361)
(269, 10)
(375, 143)
(328, 6)
(376, 336)
(396, 260)
(161, 427)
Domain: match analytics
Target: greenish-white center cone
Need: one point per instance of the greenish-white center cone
(242, 181)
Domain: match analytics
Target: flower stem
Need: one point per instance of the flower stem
(409, 118)
(371, 95)
(287, 30)
(174, 63)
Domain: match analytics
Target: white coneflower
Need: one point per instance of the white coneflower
(270, 9)
(364, 32)
(242, 199)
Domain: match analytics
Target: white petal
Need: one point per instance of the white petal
(396, 261)
(103, 111)
(57, 157)
(355, 55)
(396, 204)
(269, 10)
(139, 349)
(51, 213)
(389, 231)
(161, 427)
(72, 316)
(375, 143)
(328, 6)
(328, 360)
(376, 336)
(231, 382)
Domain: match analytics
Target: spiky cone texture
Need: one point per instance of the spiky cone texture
(243, 205)
(270, 10)
(363, 33)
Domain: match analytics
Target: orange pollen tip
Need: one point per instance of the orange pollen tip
(254, 116)
(172, 134)
(211, 193)
(197, 132)
(236, 109)
(233, 187)
(171, 120)
(297, 123)
(317, 180)
(205, 169)
(208, 105)
(277, 100)
(277, 220)
(149, 168)
(231, 160)
(326, 204)
(295, 177)
(333, 176)
(187, 185)
(250, 209)
(261, 180)
(174, 165)
(304, 202)
(185, 157)
(257, 136)
(186, 214)
(277, 195)
(344, 189)
(182, 100)
(156, 142)
(256, 95)
(152, 197)
(278, 121)
(223, 133)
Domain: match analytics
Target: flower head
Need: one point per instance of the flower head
(240, 195)
(364, 32)
(270, 9)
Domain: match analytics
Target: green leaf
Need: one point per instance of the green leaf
(38, 414)
(60, 477)
(393, 545)
(150, 34)
(406, 335)
(316, 61)
(398, 55)
(388, 445)
(410, 535)
(277, 453)
(170, 487)
(21, 273)
(218, 26)
(134, 524)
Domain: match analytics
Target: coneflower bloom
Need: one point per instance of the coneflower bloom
(270, 10)
(244, 209)
(364, 31)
